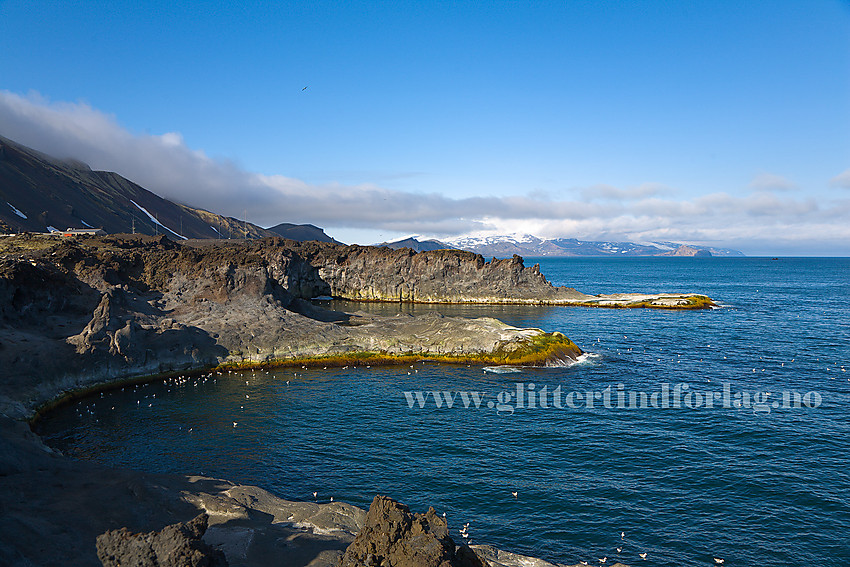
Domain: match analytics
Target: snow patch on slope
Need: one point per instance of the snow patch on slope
(17, 212)
(155, 220)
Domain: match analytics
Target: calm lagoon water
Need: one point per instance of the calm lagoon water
(684, 485)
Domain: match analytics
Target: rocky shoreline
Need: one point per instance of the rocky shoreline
(52, 510)
(82, 315)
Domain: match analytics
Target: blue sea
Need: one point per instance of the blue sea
(759, 477)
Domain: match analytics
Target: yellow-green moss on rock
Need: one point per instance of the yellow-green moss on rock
(661, 301)
(537, 350)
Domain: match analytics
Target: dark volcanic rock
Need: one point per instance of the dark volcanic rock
(393, 537)
(177, 545)
(435, 276)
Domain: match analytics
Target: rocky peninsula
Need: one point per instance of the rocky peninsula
(368, 273)
(81, 315)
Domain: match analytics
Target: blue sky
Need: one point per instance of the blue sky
(721, 123)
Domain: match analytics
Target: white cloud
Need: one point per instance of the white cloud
(609, 192)
(165, 165)
(771, 182)
(841, 180)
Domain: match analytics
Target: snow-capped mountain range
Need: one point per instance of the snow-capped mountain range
(532, 246)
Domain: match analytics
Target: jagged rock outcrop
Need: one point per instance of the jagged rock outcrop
(394, 537)
(109, 328)
(434, 276)
(177, 545)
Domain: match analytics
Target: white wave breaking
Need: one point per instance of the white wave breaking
(502, 369)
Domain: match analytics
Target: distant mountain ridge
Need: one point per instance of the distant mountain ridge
(532, 246)
(301, 232)
(40, 193)
(416, 245)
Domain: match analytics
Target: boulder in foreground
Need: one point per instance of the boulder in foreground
(394, 537)
(177, 545)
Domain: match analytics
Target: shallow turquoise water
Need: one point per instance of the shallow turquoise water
(684, 485)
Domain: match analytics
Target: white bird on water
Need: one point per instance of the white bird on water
(642, 556)
(516, 494)
(719, 561)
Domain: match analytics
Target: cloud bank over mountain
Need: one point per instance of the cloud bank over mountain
(768, 214)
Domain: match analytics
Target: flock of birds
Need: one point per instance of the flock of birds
(643, 554)
(464, 533)
(602, 560)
